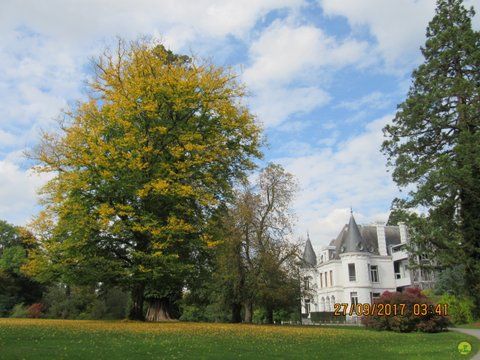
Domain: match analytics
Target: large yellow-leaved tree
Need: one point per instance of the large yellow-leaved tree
(140, 168)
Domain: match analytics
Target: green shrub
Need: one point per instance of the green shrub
(116, 303)
(285, 315)
(295, 317)
(216, 313)
(68, 303)
(259, 316)
(19, 311)
(96, 310)
(85, 302)
(460, 309)
(209, 313)
(192, 313)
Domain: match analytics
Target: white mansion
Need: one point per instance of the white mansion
(357, 267)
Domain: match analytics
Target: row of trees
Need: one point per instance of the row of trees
(144, 195)
(254, 266)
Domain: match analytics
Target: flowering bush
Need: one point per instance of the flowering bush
(408, 321)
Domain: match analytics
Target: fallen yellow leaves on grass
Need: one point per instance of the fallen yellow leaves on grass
(179, 340)
(178, 327)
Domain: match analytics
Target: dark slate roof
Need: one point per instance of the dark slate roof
(366, 233)
(309, 257)
(353, 241)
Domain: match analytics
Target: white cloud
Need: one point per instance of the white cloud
(274, 105)
(286, 53)
(7, 139)
(476, 18)
(330, 140)
(297, 148)
(332, 180)
(18, 192)
(82, 21)
(38, 77)
(46, 45)
(398, 26)
(294, 127)
(375, 100)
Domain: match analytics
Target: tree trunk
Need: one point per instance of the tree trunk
(160, 310)
(468, 154)
(269, 315)
(236, 313)
(68, 294)
(248, 312)
(470, 209)
(136, 309)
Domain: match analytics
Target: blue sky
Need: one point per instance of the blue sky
(325, 76)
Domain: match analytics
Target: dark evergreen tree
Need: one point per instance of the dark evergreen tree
(434, 143)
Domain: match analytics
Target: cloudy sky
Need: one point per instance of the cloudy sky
(325, 76)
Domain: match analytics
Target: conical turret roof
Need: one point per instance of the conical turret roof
(309, 256)
(354, 241)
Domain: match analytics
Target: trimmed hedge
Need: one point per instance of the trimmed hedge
(326, 316)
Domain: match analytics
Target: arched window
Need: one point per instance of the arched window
(327, 304)
(332, 300)
(322, 304)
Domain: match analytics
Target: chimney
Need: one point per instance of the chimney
(403, 232)
(382, 242)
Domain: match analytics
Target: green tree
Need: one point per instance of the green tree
(15, 286)
(140, 167)
(256, 260)
(434, 143)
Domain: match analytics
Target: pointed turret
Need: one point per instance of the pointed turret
(353, 240)
(309, 256)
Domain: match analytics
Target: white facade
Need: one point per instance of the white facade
(356, 268)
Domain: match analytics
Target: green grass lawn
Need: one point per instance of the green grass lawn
(77, 339)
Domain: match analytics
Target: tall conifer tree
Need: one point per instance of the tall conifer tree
(434, 143)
